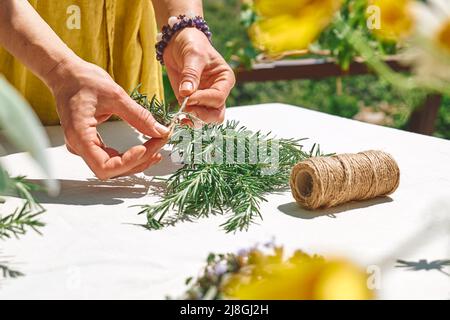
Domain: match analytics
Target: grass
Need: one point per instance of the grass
(365, 97)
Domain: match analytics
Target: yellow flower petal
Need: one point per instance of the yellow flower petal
(294, 31)
(271, 8)
(302, 278)
(284, 282)
(340, 280)
(443, 37)
(397, 21)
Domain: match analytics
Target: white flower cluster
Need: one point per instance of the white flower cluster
(429, 53)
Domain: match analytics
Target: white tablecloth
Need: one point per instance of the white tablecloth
(91, 246)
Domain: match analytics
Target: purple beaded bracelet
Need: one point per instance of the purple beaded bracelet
(177, 24)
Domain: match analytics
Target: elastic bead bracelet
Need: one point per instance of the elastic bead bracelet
(176, 24)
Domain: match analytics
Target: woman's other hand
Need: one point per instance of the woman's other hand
(87, 96)
(197, 70)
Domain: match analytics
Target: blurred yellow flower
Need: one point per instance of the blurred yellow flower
(299, 278)
(443, 37)
(267, 8)
(396, 18)
(286, 25)
(341, 280)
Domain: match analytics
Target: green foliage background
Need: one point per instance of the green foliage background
(358, 93)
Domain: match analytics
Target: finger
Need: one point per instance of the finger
(107, 162)
(71, 150)
(216, 95)
(140, 118)
(153, 160)
(209, 115)
(210, 98)
(193, 66)
(106, 167)
(151, 157)
(153, 147)
(175, 80)
(186, 122)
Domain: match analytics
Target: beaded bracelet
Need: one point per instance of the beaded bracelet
(177, 24)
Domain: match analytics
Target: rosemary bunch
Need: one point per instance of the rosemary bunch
(225, 172)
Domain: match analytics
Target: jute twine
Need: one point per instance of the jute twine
(324, 182)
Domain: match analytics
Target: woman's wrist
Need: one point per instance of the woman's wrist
(62, 71)
(175, 26)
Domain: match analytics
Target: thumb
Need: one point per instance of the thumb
(193, 66)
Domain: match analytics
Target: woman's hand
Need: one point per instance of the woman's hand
(86, 96)
(197, 70)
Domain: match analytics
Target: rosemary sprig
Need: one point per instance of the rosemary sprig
(159, 110)
(24, 217)
(17, 223)
(23, 188)
(205, 186)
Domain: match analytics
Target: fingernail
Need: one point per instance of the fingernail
(187, 86)
(161, 129)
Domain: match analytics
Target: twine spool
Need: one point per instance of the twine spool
(324, 182)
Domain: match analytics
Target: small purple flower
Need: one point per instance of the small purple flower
(243, 252)
(220, 268)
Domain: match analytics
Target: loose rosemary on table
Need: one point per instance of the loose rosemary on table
(203, 187)
(26, 216)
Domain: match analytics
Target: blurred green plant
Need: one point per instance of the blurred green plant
(23, 129)
(334, 41)
(240, 52)
(228, 18)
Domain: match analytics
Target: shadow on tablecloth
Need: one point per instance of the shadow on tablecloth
(94, 191)
(7, 270)
(294, 210)
(425, 265)
(110, 192)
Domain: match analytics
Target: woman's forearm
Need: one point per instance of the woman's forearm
(30, 39)
(167, 8)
